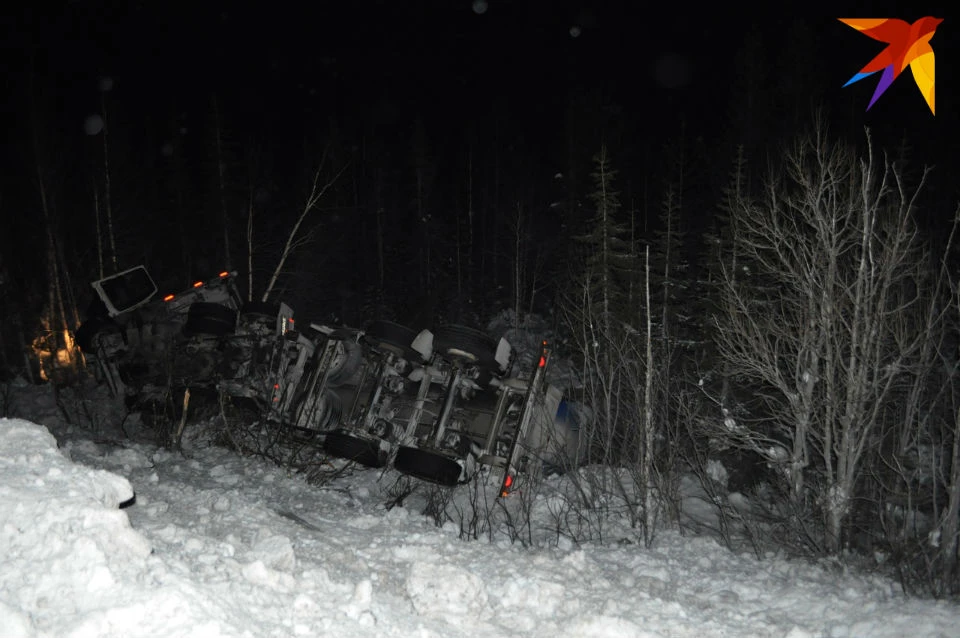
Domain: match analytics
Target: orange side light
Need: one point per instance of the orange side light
(168, 298)
(543, 356)
(197, 284)
(224, 274)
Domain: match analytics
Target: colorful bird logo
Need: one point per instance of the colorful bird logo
(908, 44)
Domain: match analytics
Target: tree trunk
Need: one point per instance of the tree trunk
(950, 531)
(316, 194)
(646, 463)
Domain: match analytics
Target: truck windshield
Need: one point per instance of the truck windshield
(126, 290)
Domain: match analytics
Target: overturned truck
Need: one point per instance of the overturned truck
(438, 405)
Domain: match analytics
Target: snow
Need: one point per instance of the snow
(216, 544)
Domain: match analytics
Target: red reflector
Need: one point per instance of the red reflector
(197, 284)
(507, 484)
(224, 273)
(543, 361)
(168, 298)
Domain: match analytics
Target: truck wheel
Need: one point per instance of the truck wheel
(428, 466)
(205, 318)
(394, 337)
(466, 343)
(346, 362)
(363, 451)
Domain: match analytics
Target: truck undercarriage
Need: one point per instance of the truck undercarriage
(436, 405)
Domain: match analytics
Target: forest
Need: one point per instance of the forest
(763, 293)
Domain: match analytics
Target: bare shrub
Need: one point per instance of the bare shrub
(625, 436)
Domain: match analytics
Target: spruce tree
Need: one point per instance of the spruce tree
(607, 251)
(669, 261)
(717, 253)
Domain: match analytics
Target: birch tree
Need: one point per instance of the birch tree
(294, 239)
(834, 233)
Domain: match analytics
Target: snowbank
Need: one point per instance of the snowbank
(221, 545)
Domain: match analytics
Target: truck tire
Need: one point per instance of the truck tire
(394, 337)
(428, 466)
(346, 446)
(345, 364)
(468, 343)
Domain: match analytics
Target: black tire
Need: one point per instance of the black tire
(332, 412)
(479, 346)
(318, 414)
(427, 466)
(86, 335)
(363, 451)
(297, 434)
(347, 365)
(393, 336)
(205, 318)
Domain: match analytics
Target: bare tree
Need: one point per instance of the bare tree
(834, 241)
(294, 241)
(624, 386)
(623, 383)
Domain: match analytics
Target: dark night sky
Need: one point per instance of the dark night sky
(440, 52)
(281, 69)
(277, 63)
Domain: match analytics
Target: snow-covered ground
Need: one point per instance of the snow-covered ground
(217, 544)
